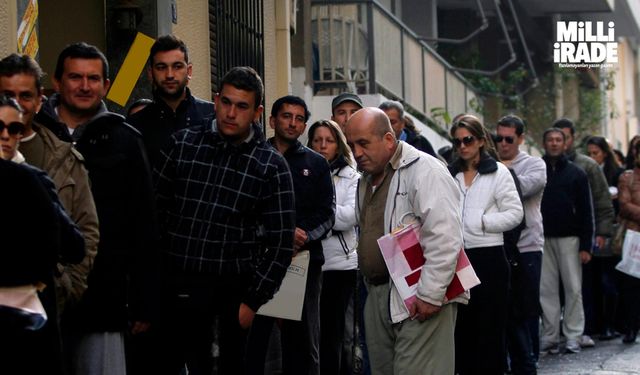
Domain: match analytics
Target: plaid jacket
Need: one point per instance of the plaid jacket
(226, 209)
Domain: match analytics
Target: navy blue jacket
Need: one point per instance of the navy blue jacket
(315, 196)
(157, 121)
(566, 203)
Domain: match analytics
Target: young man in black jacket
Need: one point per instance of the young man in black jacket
(173, 106)
(315, 215)
(226, 208)
(567, 216)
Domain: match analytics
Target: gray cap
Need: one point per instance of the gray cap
(345, 97)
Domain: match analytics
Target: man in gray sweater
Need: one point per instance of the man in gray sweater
(522, 328)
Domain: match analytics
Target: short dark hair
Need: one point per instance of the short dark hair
(166, 43)
(565, 123)
(290, 99)
(81, 50)
(512, 121)
(21, 64)
(553, 130)
(244, 78)
(6, 101)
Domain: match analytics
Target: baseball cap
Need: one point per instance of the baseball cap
(346, 97)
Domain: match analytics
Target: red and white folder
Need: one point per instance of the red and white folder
(404, 257)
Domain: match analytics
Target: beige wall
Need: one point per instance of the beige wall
(55, 33)
(621, 100)
(8, 27)
(193, 28)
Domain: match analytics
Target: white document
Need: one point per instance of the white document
(288, 301)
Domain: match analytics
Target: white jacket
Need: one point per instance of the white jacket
(422, 186)
(340, 247)
(490, 205)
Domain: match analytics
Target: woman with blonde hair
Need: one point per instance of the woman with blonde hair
(490, 206)
(341, 261)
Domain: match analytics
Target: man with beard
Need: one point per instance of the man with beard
(173, 106)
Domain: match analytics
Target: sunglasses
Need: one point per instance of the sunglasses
(499, 138)
(14, 128)
(466, 140)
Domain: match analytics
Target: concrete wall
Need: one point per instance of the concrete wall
(193, 28)
(8, 27)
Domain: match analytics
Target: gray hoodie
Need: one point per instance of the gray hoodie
(532, 174)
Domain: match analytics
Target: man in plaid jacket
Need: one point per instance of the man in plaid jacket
(226, 209)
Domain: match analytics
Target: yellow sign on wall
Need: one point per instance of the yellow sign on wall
(27, 38)
(130, 71)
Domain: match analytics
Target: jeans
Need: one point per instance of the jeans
(524, 309)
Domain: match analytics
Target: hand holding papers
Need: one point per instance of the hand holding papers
(404, 258)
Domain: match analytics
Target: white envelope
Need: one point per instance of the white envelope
(288, 301)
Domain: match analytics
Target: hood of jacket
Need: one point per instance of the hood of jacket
(49, 118)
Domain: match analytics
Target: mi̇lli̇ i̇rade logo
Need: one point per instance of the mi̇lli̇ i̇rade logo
(585, 44)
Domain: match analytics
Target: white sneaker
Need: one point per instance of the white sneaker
(586, 341)
(573, 346)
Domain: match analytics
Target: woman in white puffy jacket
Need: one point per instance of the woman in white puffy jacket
(490, 206)
(341, 261)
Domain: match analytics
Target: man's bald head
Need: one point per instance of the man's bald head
(374, 119)
(372, 140)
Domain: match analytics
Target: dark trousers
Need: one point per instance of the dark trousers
(187, 326)
(524, 307)
(588, 299)
(300, 340)
(629, 302)
(337, 291)
(481, 325)
(604, 292)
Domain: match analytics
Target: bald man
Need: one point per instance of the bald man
(400, 183)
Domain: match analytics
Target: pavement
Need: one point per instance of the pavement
(606, 358)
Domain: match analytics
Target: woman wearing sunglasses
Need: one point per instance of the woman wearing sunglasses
(490, 206)
(10, 133)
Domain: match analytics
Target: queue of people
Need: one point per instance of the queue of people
(167, 231)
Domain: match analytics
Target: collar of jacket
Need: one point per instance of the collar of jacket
(560, 163)
(571, 155)
(404, 156)
(486, 165)
(295, 148)
(212, 130)
(50, 119)
(184, 104)
(339, 163)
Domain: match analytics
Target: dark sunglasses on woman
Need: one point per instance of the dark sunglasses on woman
(466, 140)
(14, 128)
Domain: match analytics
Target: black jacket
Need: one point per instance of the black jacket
(157, 121)
(566, 203)
(27, 209)
(420, 142)
(122, 281)
(315, 196)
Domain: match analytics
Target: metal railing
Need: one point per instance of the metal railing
(361, 47)
(236, 35)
